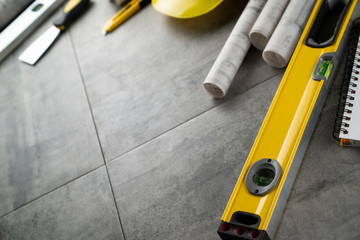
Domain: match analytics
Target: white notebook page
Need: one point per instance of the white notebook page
(352, 108)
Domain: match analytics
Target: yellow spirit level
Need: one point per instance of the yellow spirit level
(258, 200)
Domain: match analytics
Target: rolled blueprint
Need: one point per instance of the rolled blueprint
(10, 9)
(233, 53)
(267, 22)
(282, 43)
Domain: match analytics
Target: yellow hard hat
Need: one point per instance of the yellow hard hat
(185, 8)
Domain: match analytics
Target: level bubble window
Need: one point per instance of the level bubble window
(37, 7)
(325, 68)
(263, 176)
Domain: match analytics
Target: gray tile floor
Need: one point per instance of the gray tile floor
(113, 137)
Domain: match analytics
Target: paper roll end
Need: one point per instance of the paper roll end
(274, 59)
(258, 40)
(214, 90)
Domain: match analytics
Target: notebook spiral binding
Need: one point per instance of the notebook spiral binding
(350, 82)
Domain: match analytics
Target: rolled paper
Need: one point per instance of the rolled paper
(226, 65)
(282, 43)
(267, 22)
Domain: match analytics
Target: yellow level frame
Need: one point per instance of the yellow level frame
(286, 131)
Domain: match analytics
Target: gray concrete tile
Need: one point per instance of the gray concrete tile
(82, 209)
(324, 199)
(146, 77)
(177, 185)
(47, 133)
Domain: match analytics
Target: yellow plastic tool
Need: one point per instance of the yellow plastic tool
(257, 202)
(184, 8)
(126, 12)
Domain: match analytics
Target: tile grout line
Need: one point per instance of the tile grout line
(163, 133)
(51, 191)
(97, 135)
(115, 203)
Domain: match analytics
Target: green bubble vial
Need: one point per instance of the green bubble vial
(263, 177)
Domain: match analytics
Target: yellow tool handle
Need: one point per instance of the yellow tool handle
(126, 12)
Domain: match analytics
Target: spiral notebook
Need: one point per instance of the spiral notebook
(347, 124)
